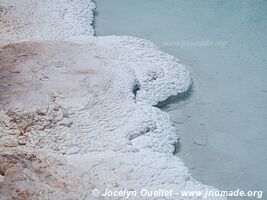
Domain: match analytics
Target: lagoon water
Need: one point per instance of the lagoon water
(222, 121)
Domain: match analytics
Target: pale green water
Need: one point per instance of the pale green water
(223, 123)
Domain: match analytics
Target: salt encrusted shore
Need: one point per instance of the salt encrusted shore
(46, 20)
(77, 114)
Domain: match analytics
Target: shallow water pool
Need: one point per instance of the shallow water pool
(222, 121)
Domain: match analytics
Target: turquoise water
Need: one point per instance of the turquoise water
(223, 120)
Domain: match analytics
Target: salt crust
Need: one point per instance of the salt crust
(80, 114)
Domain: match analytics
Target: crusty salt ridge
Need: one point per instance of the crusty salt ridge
(46, 19)
(79, 116)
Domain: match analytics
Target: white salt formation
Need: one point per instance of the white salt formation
(46, 19)
(79, 116)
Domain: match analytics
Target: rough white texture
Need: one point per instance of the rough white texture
(46, 20)
(83, 112)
